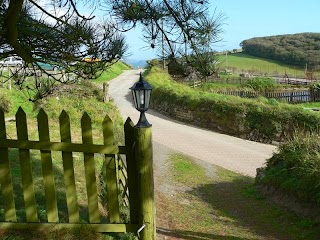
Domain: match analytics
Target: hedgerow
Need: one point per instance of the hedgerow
(260, 119)
(295, 169)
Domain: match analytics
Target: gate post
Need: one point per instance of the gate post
(144, 162)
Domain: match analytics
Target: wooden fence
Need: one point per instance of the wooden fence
(120, 176)
(195, 84)
(242, 80)
(292, 97)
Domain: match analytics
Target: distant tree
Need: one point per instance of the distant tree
(296, 49)
(57, 33)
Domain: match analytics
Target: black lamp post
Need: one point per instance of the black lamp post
(141, 92)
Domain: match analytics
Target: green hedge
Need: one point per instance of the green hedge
(260, 120)
(5, 100)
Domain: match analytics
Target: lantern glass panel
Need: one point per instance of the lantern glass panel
(142, 98)
(139, 98)
(134, 99)
(147, 99)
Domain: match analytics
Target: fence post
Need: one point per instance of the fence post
(105, 92)
(1, 76)
(144, 161)
(10, 76)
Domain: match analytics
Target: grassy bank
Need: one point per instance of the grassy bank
(112, 72)
(213, 203)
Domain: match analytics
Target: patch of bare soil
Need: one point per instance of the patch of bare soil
(166, 192)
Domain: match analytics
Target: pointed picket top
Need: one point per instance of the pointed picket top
(20, 114)
(107, 127)
(43, 125)
(85, 118)
(64, 121)
(42, 114)
(129, 123)
(64, 115)
(86, 128)
(128, 131)
(21, 123)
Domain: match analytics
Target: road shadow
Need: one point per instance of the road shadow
(129, 98)
(239, 201)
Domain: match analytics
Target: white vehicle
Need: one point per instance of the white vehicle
(13, 61)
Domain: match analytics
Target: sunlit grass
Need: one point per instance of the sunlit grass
(244, 62)
(214, 203)
(112, 72)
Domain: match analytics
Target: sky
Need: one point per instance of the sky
(246, 19)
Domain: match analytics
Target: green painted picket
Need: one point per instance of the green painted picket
(116, 174)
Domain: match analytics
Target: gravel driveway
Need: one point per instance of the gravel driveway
(229, 152)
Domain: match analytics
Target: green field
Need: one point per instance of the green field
(240, 62)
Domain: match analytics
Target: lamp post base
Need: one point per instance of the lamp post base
(143, 122)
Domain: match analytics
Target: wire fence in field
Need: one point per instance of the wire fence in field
(279, 80)
(292, 96)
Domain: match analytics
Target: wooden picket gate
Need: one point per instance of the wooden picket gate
(120, 175)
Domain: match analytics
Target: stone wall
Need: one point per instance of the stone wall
(202, 118)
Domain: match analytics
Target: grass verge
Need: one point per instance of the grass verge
(213, 203)
(112, 72)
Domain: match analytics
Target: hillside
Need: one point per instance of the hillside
(240, 63)
(136, 63)
(296, 49)
(113, 71)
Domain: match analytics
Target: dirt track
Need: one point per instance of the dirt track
(232, 153)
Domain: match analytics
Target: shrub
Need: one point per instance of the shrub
(315, 86)
(153, 63)
(82, 90)
(5, 101)
(295, 169)
(175, 67)
(261, 84)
